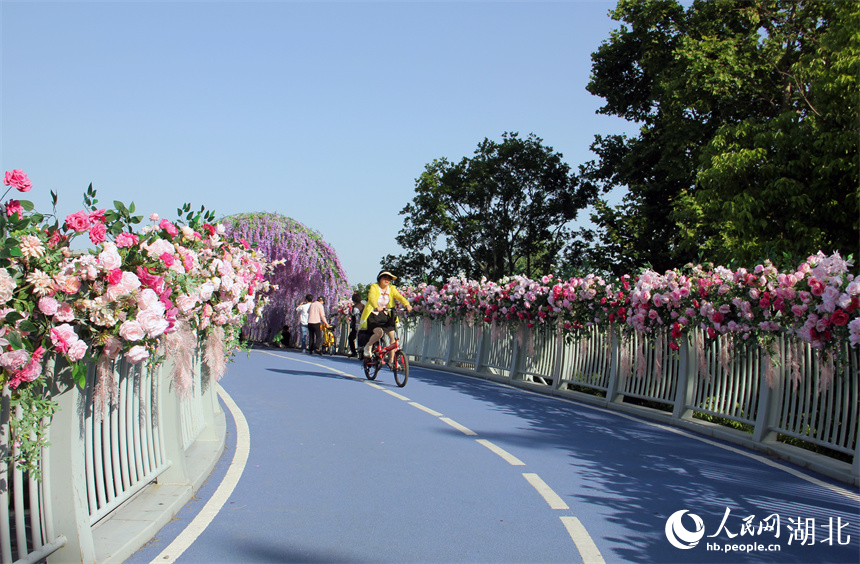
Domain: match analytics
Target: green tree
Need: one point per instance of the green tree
(748, 138)
(504, 211)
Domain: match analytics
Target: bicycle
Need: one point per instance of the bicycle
(400, 367)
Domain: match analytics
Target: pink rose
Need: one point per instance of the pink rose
(126, 240)
(153, 322)
(78, 222)
(130, 281)
(136, 354)
(131, 330)
(48, 305)
(97, 216)
(18, 180)
(109, 258)
(167, 259)
(147, 298)
(98, 232)
(63, 336)
(64, 314)
(168, 226)
(77, 350)
(185, 303)
(13, 207)
(115, 276)
(13, 360)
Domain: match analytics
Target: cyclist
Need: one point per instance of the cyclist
(378, 315)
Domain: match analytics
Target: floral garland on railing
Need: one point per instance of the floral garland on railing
(818, 302)
(139, 296)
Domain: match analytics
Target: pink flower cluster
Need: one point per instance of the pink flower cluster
(122, 297)
(819, 301)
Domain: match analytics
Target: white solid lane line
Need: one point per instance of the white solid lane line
(243, 447)
(508, 457)
(552, 498)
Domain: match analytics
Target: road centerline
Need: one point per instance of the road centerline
(546, 492)
(506, 456)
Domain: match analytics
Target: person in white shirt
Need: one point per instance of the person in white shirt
(303, 319)
(354, 321)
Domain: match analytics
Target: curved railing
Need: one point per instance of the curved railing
(101, 459)
(808, 399)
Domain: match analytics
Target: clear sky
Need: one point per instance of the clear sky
(325, 112)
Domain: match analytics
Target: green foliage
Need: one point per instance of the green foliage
(748, 140)
(28, 430)
(504, 211)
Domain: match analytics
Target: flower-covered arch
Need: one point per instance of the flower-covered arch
(304, 264)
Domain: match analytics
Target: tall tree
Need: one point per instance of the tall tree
(748, 138)
(506, 210)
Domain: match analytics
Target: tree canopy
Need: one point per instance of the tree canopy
(748, 141)
(505, 210)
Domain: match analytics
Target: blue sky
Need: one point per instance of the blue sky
(325, 112)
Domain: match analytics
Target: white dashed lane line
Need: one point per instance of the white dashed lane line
(464, 430)
(506, 456)
(582, 541)
(546, 492)
(586, 547)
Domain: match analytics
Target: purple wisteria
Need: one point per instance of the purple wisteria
(304, 264)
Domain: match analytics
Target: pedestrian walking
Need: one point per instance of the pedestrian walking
(316, 318)
(303, 310)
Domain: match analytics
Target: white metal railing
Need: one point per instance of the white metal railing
(810, 398)
(124, 451)
(98, 459)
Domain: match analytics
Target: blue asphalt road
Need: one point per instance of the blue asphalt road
(341, 471)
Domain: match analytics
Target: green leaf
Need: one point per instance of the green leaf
(28, 326)
(14, 339)
(119, 205)
(26, 204)
(79, 374)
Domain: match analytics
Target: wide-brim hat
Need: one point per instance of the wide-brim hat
(385, 273)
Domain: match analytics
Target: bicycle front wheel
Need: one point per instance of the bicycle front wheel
(371, 369)
(401, 369)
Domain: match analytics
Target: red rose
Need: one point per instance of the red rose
(839, 318)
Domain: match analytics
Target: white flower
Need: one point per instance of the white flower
(7, 286)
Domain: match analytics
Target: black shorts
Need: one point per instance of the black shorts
(380, 320)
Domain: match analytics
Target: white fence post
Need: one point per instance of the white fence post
(770, 400)
(686, 379)
(451, 342)
(169, 419)
(615, 353)
(559, 357)
(67, 468)
(515, 350)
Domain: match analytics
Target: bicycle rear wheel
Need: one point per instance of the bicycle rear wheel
(371, 368)
(400, 369)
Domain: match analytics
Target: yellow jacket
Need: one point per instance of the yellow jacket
(373, 299)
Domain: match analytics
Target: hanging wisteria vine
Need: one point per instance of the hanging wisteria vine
(304, 264)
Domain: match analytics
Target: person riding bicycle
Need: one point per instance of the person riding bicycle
(378, 315)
